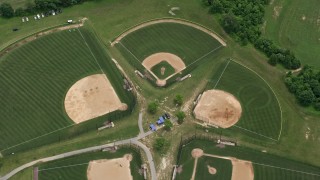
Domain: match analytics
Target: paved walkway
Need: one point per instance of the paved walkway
(134, 140)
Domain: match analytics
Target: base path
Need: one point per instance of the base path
(154, 59)
(222, 42)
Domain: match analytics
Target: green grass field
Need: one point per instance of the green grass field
(75, 167)
(265, 165)
(261, 111)
(296, 28)
(17, 3)
(188, 43)
(36, 77)
(169, 70)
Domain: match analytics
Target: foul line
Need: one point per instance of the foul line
(130, 52)
(200, 58)
(281, 124)
(221, 74)
(37, 137)
(286, 169)
(59, 167)
(94, 57)
(254, 132)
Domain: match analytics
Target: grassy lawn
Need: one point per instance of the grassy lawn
(261, 111)
(110, 18)
(17, 3)
(37, 76)
(296, 28)
(75, 167)
(282, 168)
(167, 72)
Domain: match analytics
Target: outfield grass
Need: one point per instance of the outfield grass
(261, 111)
(282, 168)
(157, 70)
(184, 41)
(296, 28)
(75, 167)
(36, 77)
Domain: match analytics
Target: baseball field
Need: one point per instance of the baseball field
(124, 163)
(37, 77)
(225, 161)
(179, 43)
(260, 112)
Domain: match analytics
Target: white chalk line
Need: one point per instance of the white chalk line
(254, 132)
(59, 167)
(37, 137)
(272, 92)
(94, 57)
(221, 74)
(303, 172)
(129, 52)
(200, 58)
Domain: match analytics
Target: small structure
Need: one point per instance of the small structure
(70, 21)
(35, 17)
(197, 100)
(42, 15)
(127, 85)
(27, 19)
(140, 74)
(229, 143)
(185, 77)
(108, 124)
(144, 169)
(174, 172)
(22, 19)
(38, 16)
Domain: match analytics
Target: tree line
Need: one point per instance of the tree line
(242, 19)
(7, 11)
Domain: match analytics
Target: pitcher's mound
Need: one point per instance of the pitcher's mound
(91, 97)
(212, 170)
(219, 108)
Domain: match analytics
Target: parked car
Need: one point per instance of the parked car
(152, 127)
(160, 120)
(167, 115)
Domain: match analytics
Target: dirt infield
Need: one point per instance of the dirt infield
(170, 21)
(219, 108)
(116, 169)
(91, 97)
(240, 169)
(154, 59)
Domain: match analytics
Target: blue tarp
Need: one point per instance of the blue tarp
(153, 127)
(160, 120)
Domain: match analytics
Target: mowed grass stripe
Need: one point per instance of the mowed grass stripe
(36, 77)
(261, 111)
(184, 41)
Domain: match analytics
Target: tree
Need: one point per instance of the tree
(306, 97)
(178, 100)
(161, 145)
(153, 107)
(6, 10)
(20, 12)
(168, 125)
(180, 115)
(230, 23)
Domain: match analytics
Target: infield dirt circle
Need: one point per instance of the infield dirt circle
(219, 108)
(115, 169)
(91, 97)
(154, 59)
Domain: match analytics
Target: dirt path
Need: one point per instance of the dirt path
(37, 35)
(170, 21)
